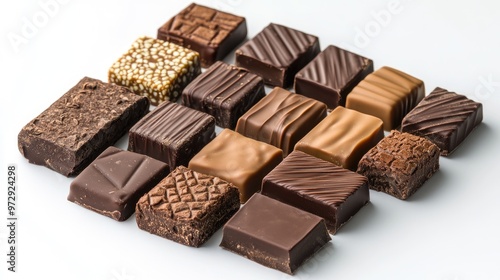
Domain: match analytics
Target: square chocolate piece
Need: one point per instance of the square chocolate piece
(187, 207)
(445, 118)
(318, 187)
(400, 164)
(113, 183)
(237, 159)
(343, 137)
(210, 32)
(156, 69)
(82, 123)
(277, 53)
(172, 133)
(331, 75)
(281, 119)
(274, 234)
(225, 92)
(388, 94)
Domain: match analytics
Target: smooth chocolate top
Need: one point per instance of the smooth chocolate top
(281, 119)
(445, 118)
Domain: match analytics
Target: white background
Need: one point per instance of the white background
(448, 230)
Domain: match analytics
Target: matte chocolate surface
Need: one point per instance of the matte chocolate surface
(274, 234)
(281, 119)
(156, 69)
(210, 32)
(277, 53)
(237, 159)
(76, 128)
(318, 187)
(331, 75)
(388, 94)
(225, 92)
(172, 133)
(445, 118)
(113, 183)
(187, 207)
(400, 164)
(343, 137)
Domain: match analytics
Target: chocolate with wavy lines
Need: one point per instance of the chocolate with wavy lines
(445, 118)
(331, 75)
(281, 119)
(277, 53)
(319, 187)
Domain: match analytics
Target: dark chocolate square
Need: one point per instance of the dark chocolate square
(225, 92)
(113, 183)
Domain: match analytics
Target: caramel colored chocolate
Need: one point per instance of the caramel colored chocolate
(331, 75)
(318, 187)
(445, 118)
(82, 123)
(274, 234)
(388, 94)
(281, 119)
(277, 53)
(210, 32)
(343, 137)
(400, 164)
(237, 159)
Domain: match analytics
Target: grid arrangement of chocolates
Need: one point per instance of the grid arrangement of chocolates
(301, 162)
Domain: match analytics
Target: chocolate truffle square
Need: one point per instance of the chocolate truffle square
(388, 94)
(82, 123)
(237, 159)
(281, 119)
(343, 137)
(225, 92)
(156, 69)
(318, 187)
(210, 32)
(187, 207)
(331, 75)
(114, 182)
(445, 118)
(172, 133)
(274, 234)
(277, 53)
(399, 164)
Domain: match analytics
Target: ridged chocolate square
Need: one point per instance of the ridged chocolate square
(331, 75)
(281, 119)
(319, 187)
(445, 118)
(400, 164)
(224, 91)
(82, 123)
(113, 183)
(210, 32)
(388, 94)
(172, 133)
(187, 207)
(277, 53)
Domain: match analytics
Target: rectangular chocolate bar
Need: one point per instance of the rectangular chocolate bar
(225, 92)
(113, 183)
(187, 207)
(172, 133)
(77, 127)
(277, 53)
(281, 119)
(210, 32)
(445, 118)
(331, 75)
(274, 234)
(156, 69)
(318, 187)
